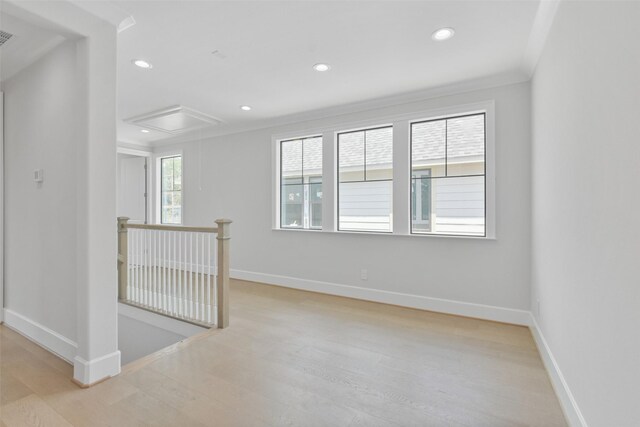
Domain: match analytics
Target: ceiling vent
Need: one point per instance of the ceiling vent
(4, 37)
(174, 120)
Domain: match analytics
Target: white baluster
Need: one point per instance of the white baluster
(201, 301)
(178, 282)
(184, 274)
(131, 263)
(135, 263)
(196, 284)
(139, 265)
(163, 264)
(172, 264)
(152, 266)
(147, 294)
(191, 297)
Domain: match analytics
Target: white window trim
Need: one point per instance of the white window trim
(276, 203)
(158, 184)
(401, 170)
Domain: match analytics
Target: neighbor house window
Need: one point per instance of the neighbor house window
(171, 190)
(301, 183)
(448, 176)
(365, 180)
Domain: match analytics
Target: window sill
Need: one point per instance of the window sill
(373, 233)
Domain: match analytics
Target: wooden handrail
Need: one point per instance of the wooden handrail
(164, 227)
(165, 267)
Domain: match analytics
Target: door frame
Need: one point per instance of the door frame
(147, 177)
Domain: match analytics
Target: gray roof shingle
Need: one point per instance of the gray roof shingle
(460, 136)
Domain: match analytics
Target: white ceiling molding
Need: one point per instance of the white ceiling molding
(108, 11)
(539, 32)
(358, 107)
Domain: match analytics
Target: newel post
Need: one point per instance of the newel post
(223, 272)
(123, 257)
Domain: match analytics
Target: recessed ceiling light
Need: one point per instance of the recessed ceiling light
(321, 67)
(142, 64)
(144, 131)
(443, 34)
(245, 108)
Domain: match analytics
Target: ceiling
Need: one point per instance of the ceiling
(214, 56)
(28, 44)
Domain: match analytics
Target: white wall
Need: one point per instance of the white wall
(41, 112)
(63, 115)
(586, 177)
(230, 176)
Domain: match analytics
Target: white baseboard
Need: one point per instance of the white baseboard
(163, 322)
(95, 370)
(41, 335)
(480, 311)
(569, 405)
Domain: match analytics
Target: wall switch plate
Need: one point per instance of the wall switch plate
(38, 175)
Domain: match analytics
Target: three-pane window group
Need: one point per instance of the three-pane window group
(447, 178)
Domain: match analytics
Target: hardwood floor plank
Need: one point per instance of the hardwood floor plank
(31, 411)
(11, 389)
(301, 359)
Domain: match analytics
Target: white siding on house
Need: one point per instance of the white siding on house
(459, 205)
(365, 205)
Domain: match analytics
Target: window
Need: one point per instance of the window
(301, 183)
(448, 176)
(365, 180)
(171, 190)
(422, 173)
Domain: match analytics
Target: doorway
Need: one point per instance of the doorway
(132, 188)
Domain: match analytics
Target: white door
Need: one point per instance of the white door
(132, 188)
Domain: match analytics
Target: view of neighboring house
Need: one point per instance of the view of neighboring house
(447, 178)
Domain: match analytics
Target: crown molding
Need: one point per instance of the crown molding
(539, 31)
(504, 79)
(108, 11)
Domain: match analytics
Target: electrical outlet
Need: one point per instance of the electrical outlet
(538, 306)
(363, 274)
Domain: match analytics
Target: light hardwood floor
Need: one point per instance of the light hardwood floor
(294, 358)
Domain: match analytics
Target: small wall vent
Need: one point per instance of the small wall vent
(4, 37)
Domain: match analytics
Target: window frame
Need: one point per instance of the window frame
(446, 173)
(158, 186)
(364, 175)
(306, 198)
(401, 122)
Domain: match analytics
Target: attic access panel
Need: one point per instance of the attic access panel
(174, 120)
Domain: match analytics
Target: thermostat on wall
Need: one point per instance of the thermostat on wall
(38, 175)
